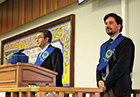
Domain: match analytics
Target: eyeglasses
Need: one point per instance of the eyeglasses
(39, 37)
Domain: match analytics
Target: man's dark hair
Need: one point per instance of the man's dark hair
(117, 18)
(46, 33)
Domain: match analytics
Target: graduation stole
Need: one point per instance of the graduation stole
(44, 55)
(106, 55)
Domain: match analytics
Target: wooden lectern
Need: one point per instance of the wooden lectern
(21, 74)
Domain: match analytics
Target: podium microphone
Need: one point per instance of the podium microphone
(21, 50)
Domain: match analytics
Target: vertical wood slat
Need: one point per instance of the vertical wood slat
(73, 95)
(4, 17)
(62, 3)
(51, 5)
(44, 7)
(15, 13)
(40, 94)
(41, 7)
(30, 94)
(97, 94)
(61, 94)
(10, 15)
(36, 9)
(79, 94)
(21, 12)
(28, 10)
(22, 94)
(57, 94)
(94, 94)
(13, 94)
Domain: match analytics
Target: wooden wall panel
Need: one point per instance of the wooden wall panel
(36, 9)
(18, 12)
(15, 14)
(4, 17)
(51, 5)
(28, 10)
(21, 12)
(9, 14)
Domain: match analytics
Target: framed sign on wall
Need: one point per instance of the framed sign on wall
(63, 37)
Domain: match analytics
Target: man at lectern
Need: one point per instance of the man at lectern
(50, 57)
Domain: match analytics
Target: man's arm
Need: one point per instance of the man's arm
(57, 64)
(123, 62)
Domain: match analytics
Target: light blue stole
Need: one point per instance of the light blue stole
(106, 55)
(44, 55)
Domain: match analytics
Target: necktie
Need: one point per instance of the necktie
(109, 43)
(105, 71)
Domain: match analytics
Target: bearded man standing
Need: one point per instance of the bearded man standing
(116, 60)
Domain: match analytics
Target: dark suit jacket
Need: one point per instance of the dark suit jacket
(55, 62)
(120, 67)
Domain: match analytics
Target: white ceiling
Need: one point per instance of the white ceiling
(2, 1)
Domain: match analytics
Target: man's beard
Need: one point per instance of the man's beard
(111, 32)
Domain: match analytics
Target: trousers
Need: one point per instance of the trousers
(110, 93)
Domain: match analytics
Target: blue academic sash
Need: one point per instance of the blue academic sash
(44, 55)
(106, 55)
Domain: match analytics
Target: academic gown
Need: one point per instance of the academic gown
(55, 62)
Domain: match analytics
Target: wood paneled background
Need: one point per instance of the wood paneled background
(14, 13)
